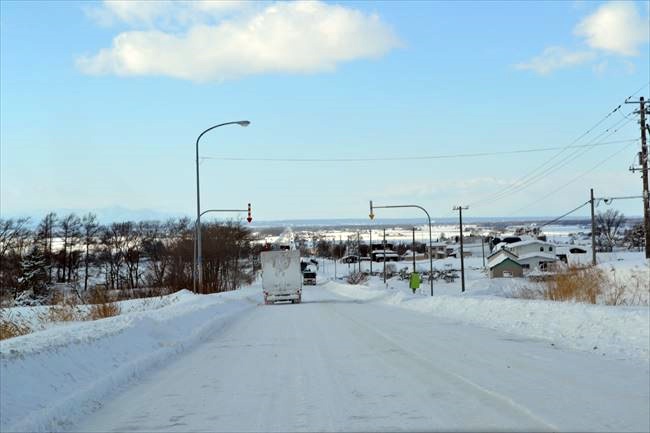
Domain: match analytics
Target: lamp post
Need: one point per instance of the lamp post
(372, 216)
(199, 261)
(249, 219)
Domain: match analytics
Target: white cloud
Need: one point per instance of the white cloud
(616, 27)
(553, 58)
(295, 37)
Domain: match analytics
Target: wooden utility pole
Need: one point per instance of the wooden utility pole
(462, 255)
(593, 229)
(643, 162)
(413, 248)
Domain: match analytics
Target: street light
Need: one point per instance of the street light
(372, 216)
(199, 261)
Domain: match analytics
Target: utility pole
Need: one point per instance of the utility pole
(413, 248)
(643, 162)
(483, 249)
(359, 249)
(593, 229)
(384, 256)
(370, 251)
(462, 258)
(334, 250)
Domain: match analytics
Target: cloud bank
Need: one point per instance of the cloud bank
(292, 37)
(615, 28)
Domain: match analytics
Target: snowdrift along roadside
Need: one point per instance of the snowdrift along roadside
(50, 379)
(615, 332)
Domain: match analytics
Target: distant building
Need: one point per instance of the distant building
(388, 255)
(528, 254)
(438, 249)
(504, 264)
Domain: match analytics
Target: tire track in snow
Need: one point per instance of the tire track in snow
(473, 387)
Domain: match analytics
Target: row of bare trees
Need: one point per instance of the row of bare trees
(133, 257)
(612, 231)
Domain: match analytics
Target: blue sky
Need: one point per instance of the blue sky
(90, 123)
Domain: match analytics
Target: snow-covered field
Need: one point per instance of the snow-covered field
(351, 358)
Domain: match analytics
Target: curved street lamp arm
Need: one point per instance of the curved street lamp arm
(372, 207)
(240, 122)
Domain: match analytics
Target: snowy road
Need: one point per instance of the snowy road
(335, 364)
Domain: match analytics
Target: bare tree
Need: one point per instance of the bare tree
(112, 254)
(13, 234)
(635, 237)
(69, 233)
(14, 237)
(90, 231)
(608, 227)
(45, 236)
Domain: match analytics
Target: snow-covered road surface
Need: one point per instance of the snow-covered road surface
(339, 364)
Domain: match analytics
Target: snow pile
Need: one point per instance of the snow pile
(69, 370)
(619, 332)
(36, 316)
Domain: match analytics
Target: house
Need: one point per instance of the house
(454, 251)
(504, 264)
(408, 255)
(536, 260)
(533, 253)
(439, 250)
(380, 255)
(380, 246)
(528, 254)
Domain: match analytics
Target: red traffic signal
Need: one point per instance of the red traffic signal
(249, 218)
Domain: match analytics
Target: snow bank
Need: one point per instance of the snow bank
(53, 377)
(36, 317)
(619, 332)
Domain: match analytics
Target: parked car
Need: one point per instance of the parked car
(349, 259)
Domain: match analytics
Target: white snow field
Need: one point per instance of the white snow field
(346, 359)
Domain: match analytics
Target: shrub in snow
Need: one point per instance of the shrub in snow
(12, 327)
(582, 284)
(101, 306)
(357, 278)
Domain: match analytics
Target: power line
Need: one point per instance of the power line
(563, 215)
(565, 184)
(522, 181)
(537, 175)
(411, 158)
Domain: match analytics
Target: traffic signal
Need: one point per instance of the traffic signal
(249, 218)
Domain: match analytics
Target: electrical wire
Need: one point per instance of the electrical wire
(565, 184)
(563, 215)
(522, 181)
(537, 175)
(412, 158)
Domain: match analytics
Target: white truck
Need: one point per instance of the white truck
(281, 276)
